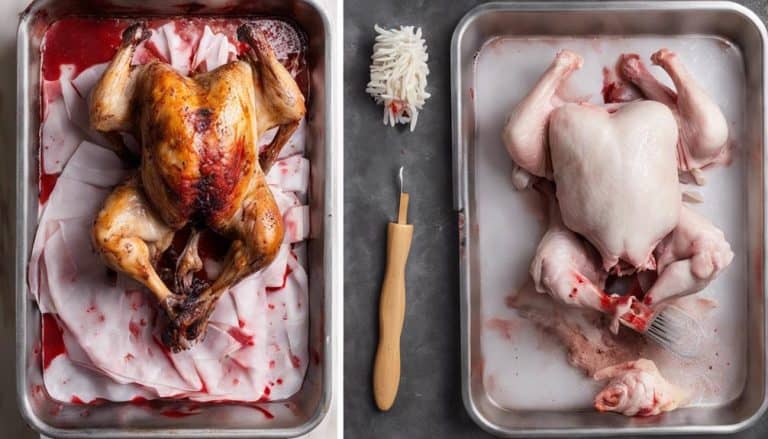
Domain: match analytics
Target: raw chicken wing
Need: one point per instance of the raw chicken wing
(525, 133)
(703, 128)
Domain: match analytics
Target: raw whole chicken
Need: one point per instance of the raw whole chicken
(616, 206)
(200, 165)
(636, 388)
(615, 168)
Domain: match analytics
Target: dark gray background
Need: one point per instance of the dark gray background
(429, 399)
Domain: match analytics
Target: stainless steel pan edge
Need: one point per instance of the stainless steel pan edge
(465, 45)
(326, 225)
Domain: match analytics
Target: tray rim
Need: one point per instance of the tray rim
(332, 245)
(461, 193)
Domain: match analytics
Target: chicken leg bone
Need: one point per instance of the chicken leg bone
(189, 262)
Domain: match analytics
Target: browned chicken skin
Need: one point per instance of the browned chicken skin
(200, 165)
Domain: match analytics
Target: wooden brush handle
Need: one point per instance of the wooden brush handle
(386, 367)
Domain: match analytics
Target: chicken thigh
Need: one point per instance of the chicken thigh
(200, 165)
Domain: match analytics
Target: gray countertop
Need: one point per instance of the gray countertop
(429, 400)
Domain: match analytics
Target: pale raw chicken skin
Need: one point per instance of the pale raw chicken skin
(567, 268)
(636, 388)
(526, 128)
(616, 177)
(703, 129)
(689, 258)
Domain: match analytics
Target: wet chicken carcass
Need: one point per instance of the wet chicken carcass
(616, 168)
(200, 165)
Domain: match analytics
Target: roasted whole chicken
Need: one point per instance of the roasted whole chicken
(199, 165)
(616, 169)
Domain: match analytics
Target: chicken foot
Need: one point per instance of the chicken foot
(525, 132)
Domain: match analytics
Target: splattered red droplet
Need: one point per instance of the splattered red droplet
(53, 342)
(134, 328)
(241, 337)
(288, 272)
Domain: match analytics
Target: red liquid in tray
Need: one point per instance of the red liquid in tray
(53, 342)
(82, 42)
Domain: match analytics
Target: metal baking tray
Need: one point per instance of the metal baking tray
(728, 21)
(311, 403)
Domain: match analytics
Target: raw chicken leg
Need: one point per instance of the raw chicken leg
(616, 178)
(703, 128)
(568, 269)
(637, 389)
(525, 133)
(689, 258)
(565, 266)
